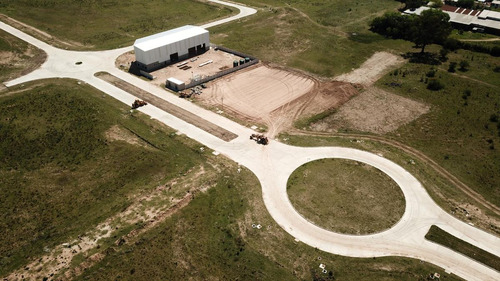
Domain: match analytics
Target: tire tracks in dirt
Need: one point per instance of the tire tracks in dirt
(417, 154)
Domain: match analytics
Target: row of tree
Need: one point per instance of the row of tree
(431, 27)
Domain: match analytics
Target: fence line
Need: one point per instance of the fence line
(253, 60)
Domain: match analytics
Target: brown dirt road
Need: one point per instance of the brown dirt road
(372, 69)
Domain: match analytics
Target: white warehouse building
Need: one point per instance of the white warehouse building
(158, 50)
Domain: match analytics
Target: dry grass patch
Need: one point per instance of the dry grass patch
(374, 110)
(346, 196)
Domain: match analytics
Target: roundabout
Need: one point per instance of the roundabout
(273, 164)
(345, 196)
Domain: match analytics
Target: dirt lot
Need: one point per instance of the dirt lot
(221, 60)
(274, 97)
(372, 69)
(375, 111)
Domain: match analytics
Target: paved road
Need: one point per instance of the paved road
(274, 163)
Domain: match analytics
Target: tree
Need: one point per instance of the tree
(410, 4)
(465, 3)
(432, 27)
(393, 25)
(435, 85)
(437, 4)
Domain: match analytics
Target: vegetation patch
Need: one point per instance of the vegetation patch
(346, 196)
(110, 23)
(442, 237)
(457, 133)
(213, 238)
(60, 174)
(323, 37)
(17, 57)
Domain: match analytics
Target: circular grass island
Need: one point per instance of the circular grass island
(346, 196)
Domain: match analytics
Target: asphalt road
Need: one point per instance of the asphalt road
(274, 163)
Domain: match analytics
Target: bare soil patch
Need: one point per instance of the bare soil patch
(274, 96)
(372, 69)
(259, 90)
(116, 133)
(375, 111)
(170, 108)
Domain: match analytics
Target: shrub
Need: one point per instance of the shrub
(443, 54)
(452, 66)
(495, 51)
(431, 73)
(466, 94)
(452, 44)
(464, 65)
(435, 85)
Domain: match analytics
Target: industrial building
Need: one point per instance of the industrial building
(158, 50)
(485, 20)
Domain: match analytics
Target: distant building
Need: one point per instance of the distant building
(484, 20)
(158, 50)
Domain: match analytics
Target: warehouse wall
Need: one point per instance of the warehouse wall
(160, 56)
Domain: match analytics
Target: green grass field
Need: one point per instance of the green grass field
(442, 237)
(320, 37)
(17, 57)
(59, 173)
(212, 238)
(346, 196)
(459, 132)
(109, 23)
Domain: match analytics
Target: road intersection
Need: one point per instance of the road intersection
(274, 163)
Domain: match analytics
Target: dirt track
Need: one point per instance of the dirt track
(372, 69)
(170, 108)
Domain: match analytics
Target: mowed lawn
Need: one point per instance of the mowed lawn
(109, 24)
(60, 173)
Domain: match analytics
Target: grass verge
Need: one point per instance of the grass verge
(442, 237)
(346, 196)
